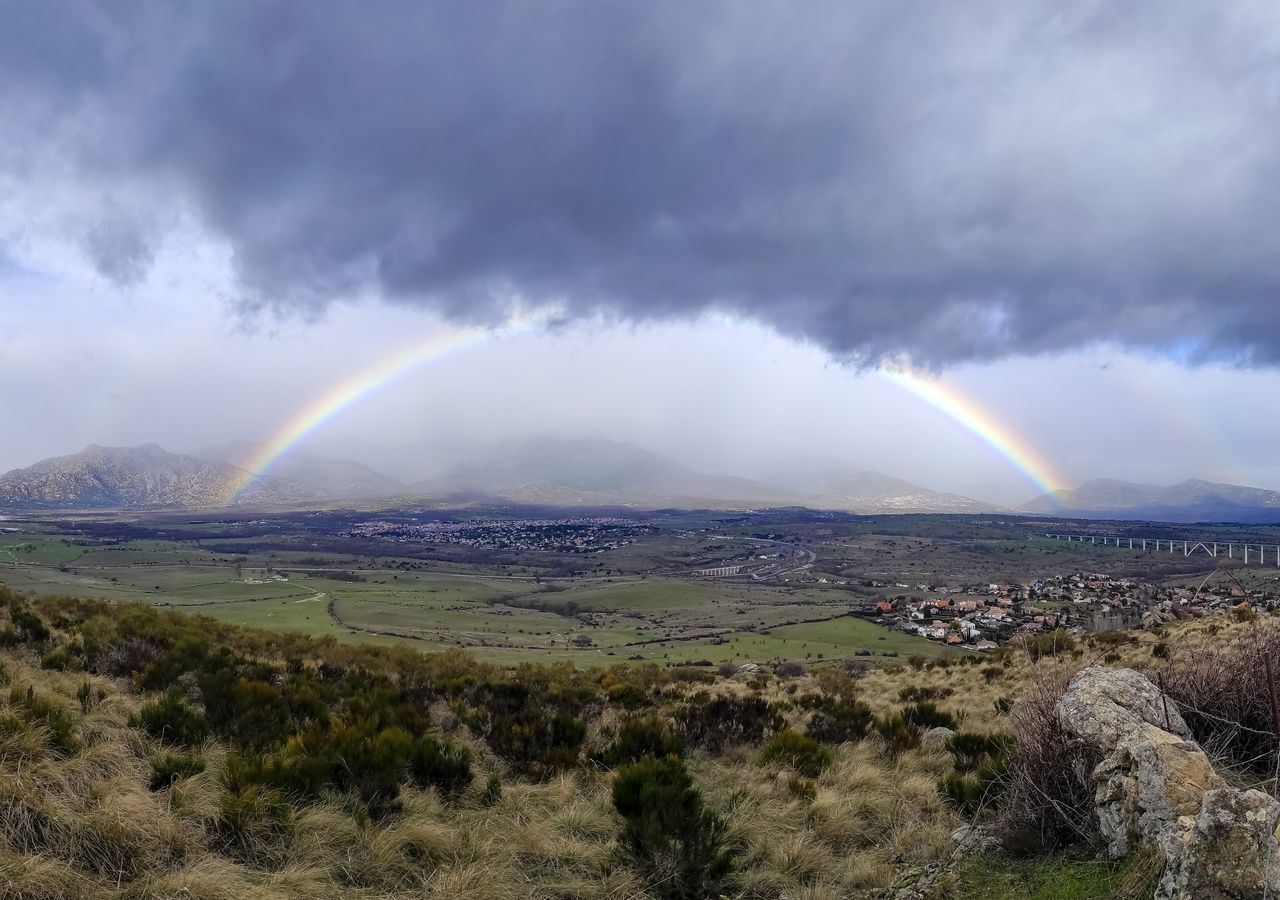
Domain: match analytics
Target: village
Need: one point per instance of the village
(981, 617)
(592, 534)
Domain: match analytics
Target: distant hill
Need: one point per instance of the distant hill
(595, 472)
(870, 492)
(133, 477)
(1188, 501)
(337, 479)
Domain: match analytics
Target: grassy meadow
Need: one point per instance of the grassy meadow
(146, 753)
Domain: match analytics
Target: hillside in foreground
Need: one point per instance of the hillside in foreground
(147, 754)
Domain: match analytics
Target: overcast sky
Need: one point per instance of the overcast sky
(211, 212)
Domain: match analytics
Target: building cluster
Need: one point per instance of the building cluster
(980, 617)
(593, 534)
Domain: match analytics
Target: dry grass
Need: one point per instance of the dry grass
(86, 825)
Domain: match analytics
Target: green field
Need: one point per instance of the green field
(595, 618)
(313, 572)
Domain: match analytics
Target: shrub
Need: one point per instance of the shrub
(260, 719)
(436, 764)
(61, 660)
(968, 793)
(1049, 644)
(799, 751)
(926, 714)
(59, 722)
(838, 721)
(971, 748)
(375, 764)
(492, 792)
(534, 742)
(1160, 650)
(1223, 694)
(169, 767)
(130, 655)
(1048, 798)
(897, 733)
(169, 719)
(1111, 658)
(991, 673)
(920, 693)
(642, 736)
(252, 823)
(715, 724)
(627, 695)
(30, 627)
(670, 836)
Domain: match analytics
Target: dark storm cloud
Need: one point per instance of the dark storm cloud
(948, 180)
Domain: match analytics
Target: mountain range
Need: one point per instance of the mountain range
(149, 476)
(542, 471)
(566, 472)
(1193, 500)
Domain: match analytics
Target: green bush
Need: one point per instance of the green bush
(926, 714)
(433, 763)
(642, 736)
(718, 723)
(968, 793)
(534, 742)
(171, 720)
(375, 764)
(627, 695)
(169, 767)
(838, 721)
(971, 748)
(898, 734)
(29, 627)
(799, 751)
(492, 792)
(60, 660)
(669, 835)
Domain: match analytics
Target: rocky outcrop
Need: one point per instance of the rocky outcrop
(1157, 789)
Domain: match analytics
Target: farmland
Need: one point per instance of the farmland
(603, 590)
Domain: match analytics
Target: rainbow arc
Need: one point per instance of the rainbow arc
(962, 409)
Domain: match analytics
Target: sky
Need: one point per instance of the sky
(726, 220)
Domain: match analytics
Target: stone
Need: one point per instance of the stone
(1102, 706)
(1150, 780)
(1229, 852)
(936, 738)
(1156, 789)
(974, 840)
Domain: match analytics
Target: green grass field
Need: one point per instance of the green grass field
(496, 613)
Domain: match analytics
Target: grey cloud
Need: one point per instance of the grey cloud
(950, 181)
(121, 249)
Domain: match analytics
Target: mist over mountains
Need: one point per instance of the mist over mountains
(1193, 500)
(581, 472)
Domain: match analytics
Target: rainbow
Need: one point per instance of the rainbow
(964, 410)
(360, 385)
(982, 423)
